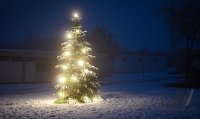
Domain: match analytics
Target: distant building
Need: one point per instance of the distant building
(127, 63)
(25, 66)
(17, 66)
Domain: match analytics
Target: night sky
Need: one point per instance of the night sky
(137, 24)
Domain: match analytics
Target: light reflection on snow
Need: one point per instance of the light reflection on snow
(47, 101)
(52, 102)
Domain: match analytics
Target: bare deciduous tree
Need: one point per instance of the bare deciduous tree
(183, 17)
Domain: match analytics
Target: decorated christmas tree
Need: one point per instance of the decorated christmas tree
(77, 77)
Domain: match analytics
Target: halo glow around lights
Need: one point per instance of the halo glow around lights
(69, 35)
(64, 67)
(62, 79)
(76, 15)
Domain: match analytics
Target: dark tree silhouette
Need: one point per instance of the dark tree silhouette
(103, 42)
(35, 43)
(144, 51)
(183, 17)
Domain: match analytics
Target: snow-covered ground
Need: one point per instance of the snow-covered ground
(125, 96)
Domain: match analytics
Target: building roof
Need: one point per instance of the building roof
(27, 53)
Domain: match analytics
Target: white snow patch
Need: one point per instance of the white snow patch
(121, 101)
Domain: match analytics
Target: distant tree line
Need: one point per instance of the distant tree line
(101, 39)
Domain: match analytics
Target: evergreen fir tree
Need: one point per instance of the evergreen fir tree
(77, 78)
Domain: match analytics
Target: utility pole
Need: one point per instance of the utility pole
(141, 60)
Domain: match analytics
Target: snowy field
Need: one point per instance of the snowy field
(125, 97)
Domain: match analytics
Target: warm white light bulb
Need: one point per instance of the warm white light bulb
(74, 78)
(67, 53)
(64, 67)
(80, 62)
(77, 31)
(84, 50)
(62, 79)
(61, 94)
(69, 35)
(86, 71)
(76, 15)
(69, 45)
(86, 99)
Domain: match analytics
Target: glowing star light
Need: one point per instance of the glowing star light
(76, 15)
(80, 62)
